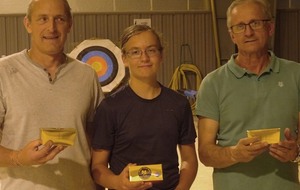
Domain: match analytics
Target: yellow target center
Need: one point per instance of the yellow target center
(97, 66)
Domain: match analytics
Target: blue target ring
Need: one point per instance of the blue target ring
(102, 60)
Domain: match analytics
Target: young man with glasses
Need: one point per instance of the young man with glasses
(144, 122)
(255, 90)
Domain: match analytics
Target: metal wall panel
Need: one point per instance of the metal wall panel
(11, 27)
(2, 36)
(287, 34)
(23, 39)
(193, 28)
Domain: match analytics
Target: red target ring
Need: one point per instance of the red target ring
(102, 60)
(105, 58)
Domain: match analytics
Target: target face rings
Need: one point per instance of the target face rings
(105, 58)
(103, 62)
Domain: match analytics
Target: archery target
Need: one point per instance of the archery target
(105, 59)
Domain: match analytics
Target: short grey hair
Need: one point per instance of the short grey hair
(33, 2)
(264, 4)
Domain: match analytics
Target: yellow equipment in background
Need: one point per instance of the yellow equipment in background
(180, 81)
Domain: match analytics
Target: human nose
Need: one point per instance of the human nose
(52, 25)
(248, 29)
(144, 54)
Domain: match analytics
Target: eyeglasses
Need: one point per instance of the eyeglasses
(137, 53)
(254, 25)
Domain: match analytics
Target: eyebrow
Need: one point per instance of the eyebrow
(248, 22)
(146, 47)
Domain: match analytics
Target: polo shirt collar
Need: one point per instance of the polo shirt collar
(239, 72)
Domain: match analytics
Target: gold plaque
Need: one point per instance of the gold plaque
(146, 173)
(270, 136)
(63, 136)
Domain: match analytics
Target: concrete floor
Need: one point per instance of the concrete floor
(203, 180)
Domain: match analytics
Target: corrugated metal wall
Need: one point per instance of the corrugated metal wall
(287, 34)
(193, 28)
(13, 35)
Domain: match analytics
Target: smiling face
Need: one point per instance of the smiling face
(48, 26)
(250, 41)
(145, 66)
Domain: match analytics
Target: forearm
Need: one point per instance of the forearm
(188, 172)
(211, 154)
(8, 157)
(216, 156)
(104, 176)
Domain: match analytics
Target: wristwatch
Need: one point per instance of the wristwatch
(297, 159)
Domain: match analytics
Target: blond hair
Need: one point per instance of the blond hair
(135, 30)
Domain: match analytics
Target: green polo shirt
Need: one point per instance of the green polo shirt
(240, 100)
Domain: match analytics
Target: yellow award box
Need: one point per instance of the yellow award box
(146, 173)
(63, 136)
(270, 136)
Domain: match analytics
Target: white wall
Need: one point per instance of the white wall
(20, 6)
